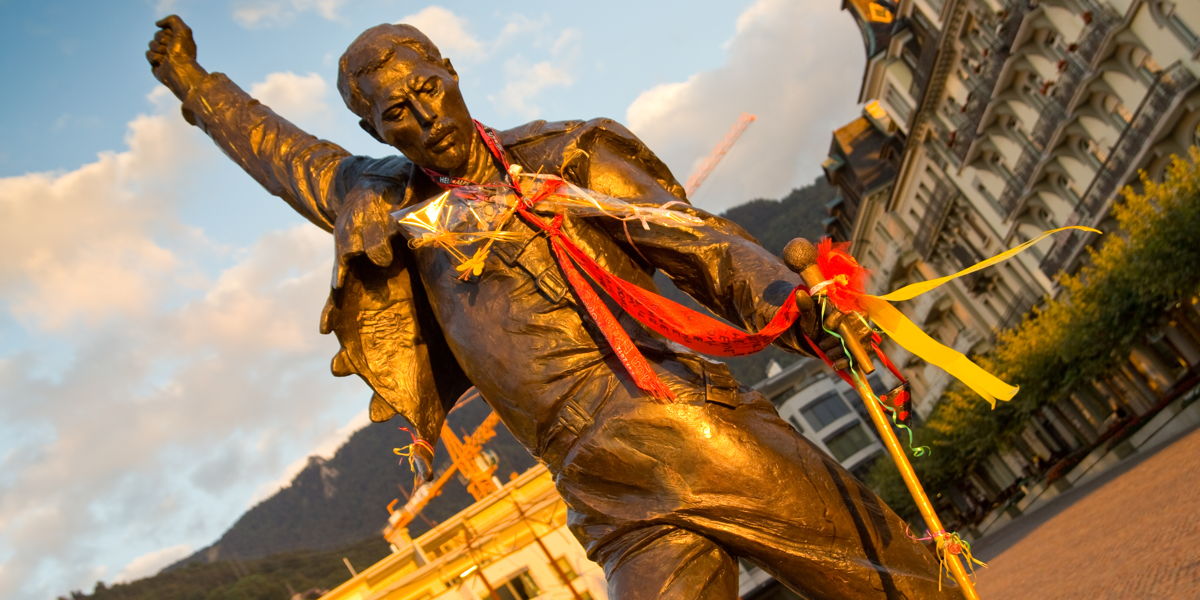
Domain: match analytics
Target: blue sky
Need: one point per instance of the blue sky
(160, 368)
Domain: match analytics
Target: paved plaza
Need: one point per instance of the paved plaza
(1133, 532)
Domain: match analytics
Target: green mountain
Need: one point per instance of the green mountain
(776, 222)
(338, 501)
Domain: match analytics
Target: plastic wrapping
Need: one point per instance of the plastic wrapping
(466, 219)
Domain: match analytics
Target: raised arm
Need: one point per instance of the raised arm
(289, 163)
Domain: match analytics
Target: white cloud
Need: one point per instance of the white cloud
(325, 448)
(151, 562)
(521, 27)
(247, 306)
(796, 66)
(297, 97)
(252, 14)
(171, 378)
(524, 79)
(448, 31)
(525, 82)
(73, 246)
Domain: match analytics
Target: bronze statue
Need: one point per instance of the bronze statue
(663, 494)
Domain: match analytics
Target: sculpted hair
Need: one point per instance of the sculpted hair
(370, 50)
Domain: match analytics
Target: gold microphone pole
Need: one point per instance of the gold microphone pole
(801, 256)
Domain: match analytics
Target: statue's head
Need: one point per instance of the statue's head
(407, 96)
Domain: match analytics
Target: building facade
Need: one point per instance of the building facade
(986, 123)
(827, 412)
(511, 545)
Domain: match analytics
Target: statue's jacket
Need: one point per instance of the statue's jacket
(420, 337)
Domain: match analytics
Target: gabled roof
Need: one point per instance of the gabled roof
(859, 145)
(876, 19)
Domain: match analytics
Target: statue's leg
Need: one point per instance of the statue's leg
(669, 563)
(821, 532)
(739, 476)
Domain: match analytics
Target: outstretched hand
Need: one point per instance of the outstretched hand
(831, 345)
(172, 56)
(366, 226)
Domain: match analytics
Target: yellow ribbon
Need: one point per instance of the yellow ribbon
(911, 338)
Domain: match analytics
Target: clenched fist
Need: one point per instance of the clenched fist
(172, 56)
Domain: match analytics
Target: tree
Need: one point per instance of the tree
(1149, 263)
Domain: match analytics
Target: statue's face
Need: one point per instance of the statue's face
(417, 108)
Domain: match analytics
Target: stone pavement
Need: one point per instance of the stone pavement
(1133, 532)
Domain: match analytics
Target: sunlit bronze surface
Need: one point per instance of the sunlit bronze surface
(663, 495)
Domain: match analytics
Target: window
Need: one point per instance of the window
(564, 567)
(796, 423)
(862, 469)
(779, 397)
(899, 103)
(520, 587)
(825, 410)
(875, 382)
(848, 442)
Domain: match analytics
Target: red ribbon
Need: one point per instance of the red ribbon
(670, 319)
(847, 279)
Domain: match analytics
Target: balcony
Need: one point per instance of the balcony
(926, 235)
(1019, 184)
(1017, 310)
(925, 62)
(1052, 117)
(983, 86)
(1078, 63)
(1171, 85)
(1064, 248)
(1076, 68)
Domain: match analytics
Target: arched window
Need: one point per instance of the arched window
(1113, 106)
(1088, 150)
(1164, 14)
(1064, 183)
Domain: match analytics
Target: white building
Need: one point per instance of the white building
(987, 122)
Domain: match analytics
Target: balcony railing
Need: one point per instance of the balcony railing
(1017, 186)
(1078, 63)
(1052, 117)
(1149, 115)
(1018, 309)
(1171, 83)
(1053, 111)
(925, 62)
(1064, 247)
(982, 86)
(931, 222)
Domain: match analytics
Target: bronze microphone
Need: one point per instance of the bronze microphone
(801, 256)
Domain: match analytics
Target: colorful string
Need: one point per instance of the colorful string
(407, 450)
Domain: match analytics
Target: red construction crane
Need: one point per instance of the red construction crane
(701, 173)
